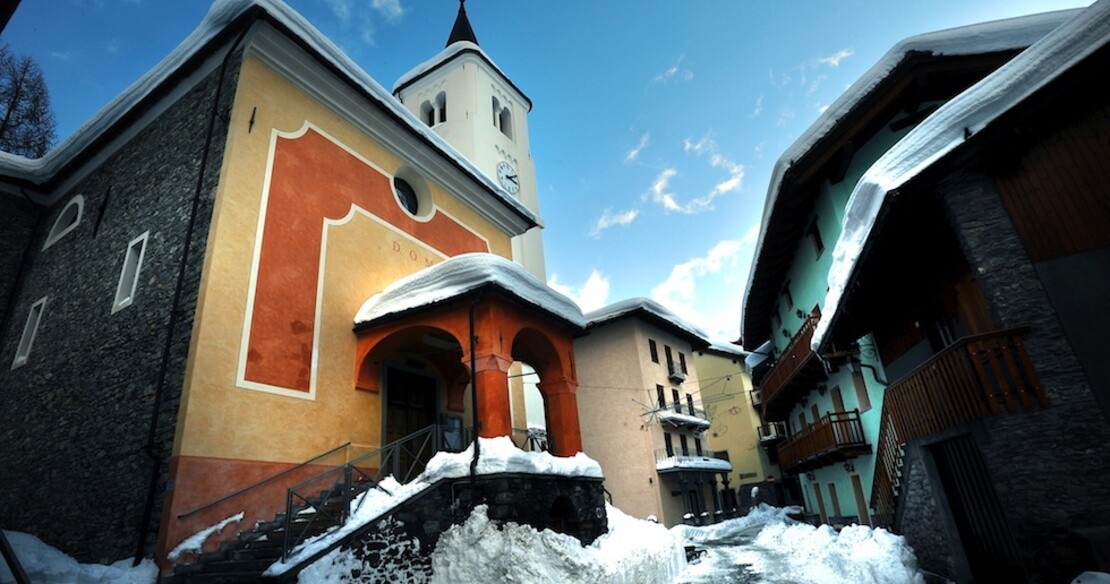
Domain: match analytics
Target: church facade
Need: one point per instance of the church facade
(181, 277)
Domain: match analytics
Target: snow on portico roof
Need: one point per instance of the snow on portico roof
(989, 37)
(222, 15)
(728, 349)
(948, 128)
(463, 274)
(651, 308)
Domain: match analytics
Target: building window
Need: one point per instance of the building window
(690, 403)
(23, 350)
(801, 421)
(670, 359)
(428, 113)
(406, 195)
(654, 351)
(685, 445)
(863, 399)
(816, 413)
(682, 362)
(814, 234)
(662, 398)
(677, 401)
(129, 275)
(787, 295)
(697, 446)
(67, 220)
(441, 107)
(502, 118)
(669, 443)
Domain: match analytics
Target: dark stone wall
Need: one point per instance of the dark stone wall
(18, 221)
(75, 421)
(923, 522)
(408, 535)
(1049, 467)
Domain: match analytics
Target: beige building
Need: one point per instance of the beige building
(641, 414)
(737, 429)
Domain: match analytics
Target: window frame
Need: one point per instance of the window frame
(30, 329)
(57, 231)
(129, 272)
(653, 349)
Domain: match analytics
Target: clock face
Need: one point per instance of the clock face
(508, 177)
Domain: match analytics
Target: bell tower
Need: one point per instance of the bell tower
(463, 96)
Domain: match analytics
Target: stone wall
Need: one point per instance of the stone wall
(1049, 467)
(18, 219)
(408, 535)
(79, 449)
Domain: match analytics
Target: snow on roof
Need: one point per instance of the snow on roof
(944, 131)
(679, 419)
(988, 37)
(728, 348)
(630, 306)
(694, 463)
(465, 273)
(450, 52)
(220, 15)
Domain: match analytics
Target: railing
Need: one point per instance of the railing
(757, 396)
(531, 439)
(771, 431)
(692, 460)
(975, 377)
(796, 356)
(325, 499)
(836, 436)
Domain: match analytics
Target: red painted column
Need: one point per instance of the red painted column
(494, 412)
(561, 403)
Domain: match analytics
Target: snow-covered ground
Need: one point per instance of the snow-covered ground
(765, 546)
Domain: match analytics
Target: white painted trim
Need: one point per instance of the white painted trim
(124, 300)
(56, 233)
(30, 327)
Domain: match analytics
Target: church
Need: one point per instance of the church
(187, 282)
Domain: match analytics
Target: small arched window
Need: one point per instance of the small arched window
(496, 113)
(506, 122)
(428, 113)
(441, 106)
(67, 220)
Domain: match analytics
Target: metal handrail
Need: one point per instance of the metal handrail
(264, 481)
(389, 454)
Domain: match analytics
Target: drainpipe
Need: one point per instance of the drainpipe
(171, 326)
(474, 389)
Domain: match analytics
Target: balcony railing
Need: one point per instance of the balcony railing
(771, 432)
(684, 416)
(836, 437)
(793, 370)
(975, 377)
(757, 397)
(676, 460)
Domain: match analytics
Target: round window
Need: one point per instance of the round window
(406, 195)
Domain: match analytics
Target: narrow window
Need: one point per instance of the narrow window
(690, 403)
(662, 398)
(685, 445)
(669, 442)
(816, 413)
(654, 351)
(670, 359)
(682, 362)
(496, 114)
(23, 351)
(835, 500)
(837, 399)
(67, 220)
(801, 421)
(814, 234)
(428, 113)
(506, 122)
(697, 445)
(861, 392)
(677, 401)
(786, 294)
(441, 106)
(129, 275)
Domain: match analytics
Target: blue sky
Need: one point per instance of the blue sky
(655, 124)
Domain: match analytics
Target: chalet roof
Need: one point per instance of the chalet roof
(462, 276)
(949, 130)
(784, 202)
(650, 311)
(225, 20)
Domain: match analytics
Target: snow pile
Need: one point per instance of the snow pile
(759, 516)
(46, 564)
(195, 543)
(496, 455)
(633, 551)
(855, 555)
(1092, 578)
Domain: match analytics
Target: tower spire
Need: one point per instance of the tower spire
(461, 31)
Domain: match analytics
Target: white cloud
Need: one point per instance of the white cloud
(390, 9)
(361, 15)
(758, 106)
(835, 59)
(674, 72)
(679, 292)
(591, 295)
(634, 153)
(609, 219)
(661, 193)
(815, 84)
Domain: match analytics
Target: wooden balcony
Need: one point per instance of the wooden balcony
(771, 432)
(793, 374)
(836, 437)
(975, 377)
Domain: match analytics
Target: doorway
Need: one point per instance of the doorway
(411, 405)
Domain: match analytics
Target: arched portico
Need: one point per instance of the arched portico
(509, 323)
